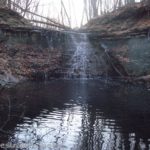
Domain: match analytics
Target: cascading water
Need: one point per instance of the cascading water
(80, 60)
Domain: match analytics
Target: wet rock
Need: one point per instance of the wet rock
(38, 75)
(54, 74)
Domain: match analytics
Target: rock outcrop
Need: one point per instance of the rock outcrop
(29, 54)
(119, 47)
(9, 18)
(125, 33)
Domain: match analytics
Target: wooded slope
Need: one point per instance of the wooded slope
(12, 18)
(128, 19)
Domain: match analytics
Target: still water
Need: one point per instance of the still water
(75, 115)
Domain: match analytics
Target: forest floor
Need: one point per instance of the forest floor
(9, 18)
(129, 19)
(123, 21)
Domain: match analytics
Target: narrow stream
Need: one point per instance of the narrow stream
(75, 114)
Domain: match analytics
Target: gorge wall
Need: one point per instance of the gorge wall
(29, 54)
(131, 52)
(106, 46)
(42, 55)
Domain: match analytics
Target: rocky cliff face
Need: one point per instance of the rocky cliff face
(116, 45)
(125, 35)
(29, 54)
(132, 53)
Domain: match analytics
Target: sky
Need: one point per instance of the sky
(52, 9)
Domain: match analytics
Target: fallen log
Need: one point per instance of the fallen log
(49, 24)
(48, 19)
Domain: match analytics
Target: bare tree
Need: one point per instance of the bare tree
(26, 5)
(3, 3)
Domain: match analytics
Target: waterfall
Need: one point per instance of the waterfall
(79, 63)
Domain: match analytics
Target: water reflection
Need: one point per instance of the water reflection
(73, 114)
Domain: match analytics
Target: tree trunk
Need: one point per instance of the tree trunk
(3, 3)
(94, 8)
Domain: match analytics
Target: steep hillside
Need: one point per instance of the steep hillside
(11, 18)
(129, 19)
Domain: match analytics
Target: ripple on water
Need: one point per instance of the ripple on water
(81, 117)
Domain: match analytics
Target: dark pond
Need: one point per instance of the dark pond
(75, 115)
